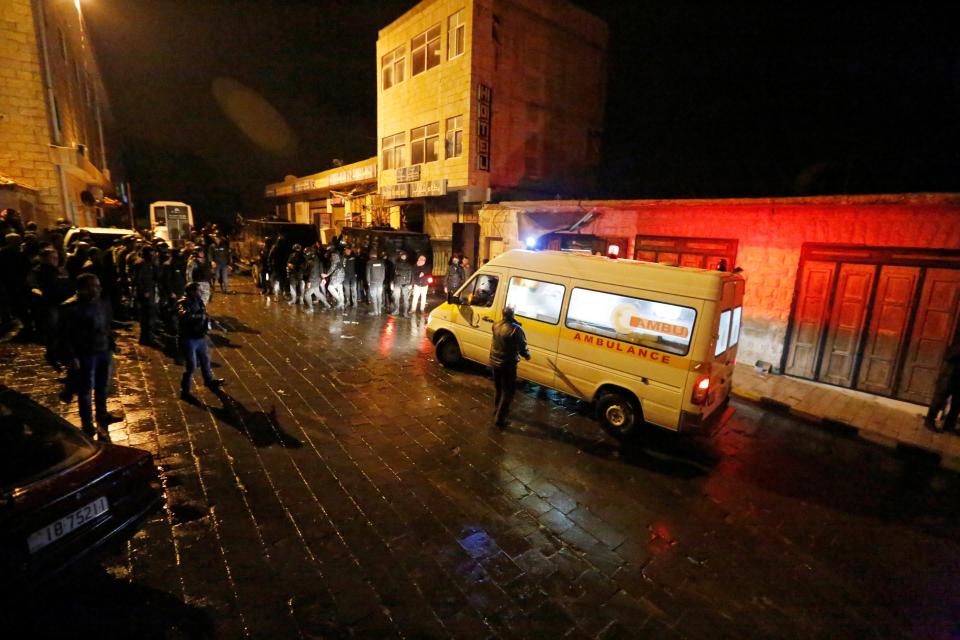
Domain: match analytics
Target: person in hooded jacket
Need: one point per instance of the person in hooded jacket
(507, 345)
(193, 325)
(454, 277)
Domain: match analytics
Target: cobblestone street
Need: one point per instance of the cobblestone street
(346, 485)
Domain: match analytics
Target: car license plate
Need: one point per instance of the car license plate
(56, 530)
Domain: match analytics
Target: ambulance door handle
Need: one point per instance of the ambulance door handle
(486, 319)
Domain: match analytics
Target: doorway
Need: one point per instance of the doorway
(874, 319)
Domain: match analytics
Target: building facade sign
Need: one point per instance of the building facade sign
(428, 188)
(395, 191)
(408, 174)
(484, 114)
(356, 174)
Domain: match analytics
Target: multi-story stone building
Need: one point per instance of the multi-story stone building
(483, 100)
(55, 151)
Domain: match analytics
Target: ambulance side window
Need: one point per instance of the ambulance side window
(647, 323)
(480, 291)
(534, 299)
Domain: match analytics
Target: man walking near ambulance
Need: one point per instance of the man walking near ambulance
(508, 345)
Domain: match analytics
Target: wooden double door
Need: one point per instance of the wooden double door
(874, 326)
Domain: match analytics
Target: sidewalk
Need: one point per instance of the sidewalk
(887, 422)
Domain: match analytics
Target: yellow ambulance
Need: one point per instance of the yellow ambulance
(646, 343)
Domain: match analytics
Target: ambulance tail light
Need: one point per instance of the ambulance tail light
(701, 390)
(429, 279)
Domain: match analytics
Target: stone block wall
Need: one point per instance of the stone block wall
(24, 127)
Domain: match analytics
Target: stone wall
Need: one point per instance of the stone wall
(24, 127)
(50, 136)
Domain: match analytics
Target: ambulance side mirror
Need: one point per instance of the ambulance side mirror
(453, 298)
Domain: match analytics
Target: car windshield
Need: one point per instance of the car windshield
(35, 444)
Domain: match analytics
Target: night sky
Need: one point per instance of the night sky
(713, 100)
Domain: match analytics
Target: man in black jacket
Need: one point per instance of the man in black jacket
(375, 276)
(145, 281)
(402, 283)
(86, 347)
(508, 344)
(193, 324)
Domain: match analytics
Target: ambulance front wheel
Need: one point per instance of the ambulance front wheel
(448, 351)
(618, 413)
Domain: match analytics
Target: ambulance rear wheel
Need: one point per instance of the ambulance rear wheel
(448, 352)
(618, 414)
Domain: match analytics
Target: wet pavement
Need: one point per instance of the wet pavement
(346, 485)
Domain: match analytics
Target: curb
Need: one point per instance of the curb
(843, 429)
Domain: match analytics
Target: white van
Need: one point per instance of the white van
(647, 343)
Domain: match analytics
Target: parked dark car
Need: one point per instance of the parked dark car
(63, 497)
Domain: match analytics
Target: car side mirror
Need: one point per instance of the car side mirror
(453, 298)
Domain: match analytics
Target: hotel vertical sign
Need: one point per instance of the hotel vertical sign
(484, 113)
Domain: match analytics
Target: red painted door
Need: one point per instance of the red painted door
(888, 327)
(810, 318)
(854, 286)
(934, 328)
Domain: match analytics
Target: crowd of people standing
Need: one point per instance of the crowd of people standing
(339, 276)
(71, 298)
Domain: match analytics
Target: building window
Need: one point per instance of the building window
(425, 50)
(391, 67)
(393, 151)
(454, 140)
(456, 34)
(425, 143)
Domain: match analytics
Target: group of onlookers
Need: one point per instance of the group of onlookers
(69, 298)
(340, 275)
